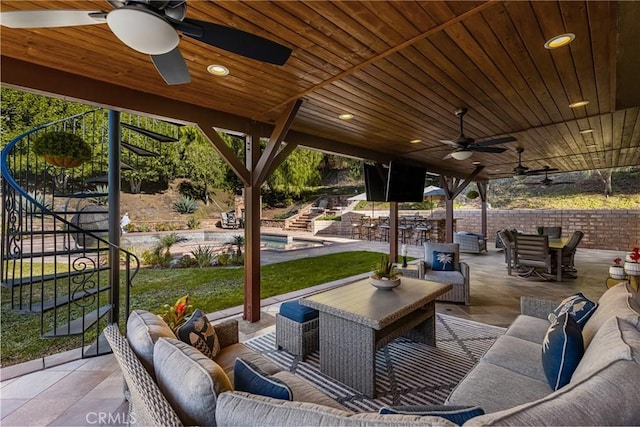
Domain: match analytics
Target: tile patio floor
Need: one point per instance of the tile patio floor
(89, 391)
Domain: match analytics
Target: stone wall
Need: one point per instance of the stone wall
(603, 229)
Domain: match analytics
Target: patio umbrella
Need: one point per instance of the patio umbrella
(433, 191)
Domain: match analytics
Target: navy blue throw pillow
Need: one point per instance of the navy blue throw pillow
(456, 414)
(562, 350)
(249, 378)
(442, 261)
(578, 306)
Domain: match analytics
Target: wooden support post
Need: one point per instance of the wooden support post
(482, 189)
(252, 235)
(452, 188)
(393, 231)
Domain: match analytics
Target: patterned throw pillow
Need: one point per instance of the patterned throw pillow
(578, 306)
(456, 414)
(442, 261)
(249, 378)
(198, 332)
(562, 350)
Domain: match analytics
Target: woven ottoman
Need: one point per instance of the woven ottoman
(297, 329)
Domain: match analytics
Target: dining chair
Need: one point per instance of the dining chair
(532, 255)
(508, 243)
(552, 232)
(569, 253)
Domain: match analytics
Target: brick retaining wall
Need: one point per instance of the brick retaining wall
(603, 229)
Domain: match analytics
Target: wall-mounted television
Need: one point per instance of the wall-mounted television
(405, 183)
(375, 182)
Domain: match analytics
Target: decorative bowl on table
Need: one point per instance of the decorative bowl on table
(384, 283)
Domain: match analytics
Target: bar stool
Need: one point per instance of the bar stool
(384, 228)
(405, 230)
(356, 230)
(297, 329)
(422, 233)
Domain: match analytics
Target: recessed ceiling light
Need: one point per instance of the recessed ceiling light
(559, 41)
(415, 141)
(475, 163)
(345, 116)
(218, 70)
(585, 131)
(578, 104)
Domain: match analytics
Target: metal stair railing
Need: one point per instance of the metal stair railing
(55, 260)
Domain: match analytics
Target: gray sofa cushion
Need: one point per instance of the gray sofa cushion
(303, 391)
(143, 330)
(616, 340)
(227, 359)
(518, 355)
(616, 301)
(449, 277)
(242, 409)
(494, 388)
(606, 395)
(189, 380)
(528, 328)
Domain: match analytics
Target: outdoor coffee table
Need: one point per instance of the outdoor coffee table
(357, 319)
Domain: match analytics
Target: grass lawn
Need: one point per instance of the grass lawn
(209, 289)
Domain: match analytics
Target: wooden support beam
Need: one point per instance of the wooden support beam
(281, 156)
(277, 136)
(227, 153)
(482, 189)
(393, 231)
(252, 235)
(452, 188)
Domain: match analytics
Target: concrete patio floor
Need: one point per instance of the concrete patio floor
(89, 391)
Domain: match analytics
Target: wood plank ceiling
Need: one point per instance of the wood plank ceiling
(401, 68)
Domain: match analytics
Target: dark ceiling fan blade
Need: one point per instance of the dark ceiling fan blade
(496, 141)
(488, 149)
(51, 18)
(542, 171)
(239, 42)
(172, 67)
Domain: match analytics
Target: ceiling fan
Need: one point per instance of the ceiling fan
(547, 182)
(153, 27)
(465, 146)
(520, 172)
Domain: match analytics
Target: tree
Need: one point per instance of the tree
(298, 171)
(605, 177)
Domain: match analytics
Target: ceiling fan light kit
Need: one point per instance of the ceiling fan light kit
(143, 31)
(461, 155)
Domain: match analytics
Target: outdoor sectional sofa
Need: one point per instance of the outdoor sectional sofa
(508, 382)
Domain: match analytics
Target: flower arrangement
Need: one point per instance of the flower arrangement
(617, 261)
(632, 262)
(175, 315)
(616, 271)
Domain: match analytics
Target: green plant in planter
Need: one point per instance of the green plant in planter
(62, 149)
(386, 269)
(472, 194)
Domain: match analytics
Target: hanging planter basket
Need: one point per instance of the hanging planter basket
(62, 149)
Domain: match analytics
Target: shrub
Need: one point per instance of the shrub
(472, 194)
(29, 207)
(144, 228)
(193, 223)
(185, 205)
(186, 262)
(100, 199)
(224, 259)
(203, 256)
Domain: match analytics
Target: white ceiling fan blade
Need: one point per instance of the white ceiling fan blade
(50, 18)
(448, 156)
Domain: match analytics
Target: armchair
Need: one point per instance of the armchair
(459, 277)
(470, 242)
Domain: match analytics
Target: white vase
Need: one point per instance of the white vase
(632, 268)
(617, 272)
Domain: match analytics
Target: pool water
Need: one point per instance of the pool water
(286, 243)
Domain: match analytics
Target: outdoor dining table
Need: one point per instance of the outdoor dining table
(558, 245)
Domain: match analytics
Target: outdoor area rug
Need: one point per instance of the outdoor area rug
(407, 372)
